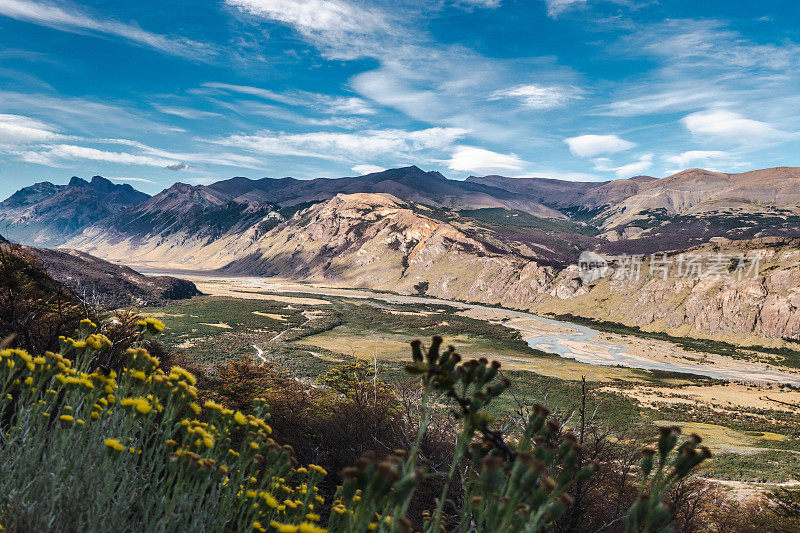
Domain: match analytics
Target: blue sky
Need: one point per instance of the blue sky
(155, 92)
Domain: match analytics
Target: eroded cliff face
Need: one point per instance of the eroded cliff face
(729, 307)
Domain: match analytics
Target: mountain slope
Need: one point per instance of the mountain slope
(108, 285)
(696, 192)
(381, 242)
(45, 214)
(178, 228)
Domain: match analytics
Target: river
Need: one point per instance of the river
(566, 339)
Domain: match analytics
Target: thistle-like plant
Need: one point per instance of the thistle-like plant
(516, 485)
(662, 469)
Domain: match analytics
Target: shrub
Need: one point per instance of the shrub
(134, 450)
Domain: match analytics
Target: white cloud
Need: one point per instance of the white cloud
(256, 91)
(436, 83)
(557, 7)
(674, 99)
(471, 159)
(727, 125)
(336, 146)
(635, 168)
(535, 96)
(692, 157)
(54, 16)
(313, 15)
(702, 64)
(440, 86)
(490, 4)
(51, 154)
(83, 115)
(594, 145)
(367, 169)
(343, 105)
(134, 180)
(335, 26)
(180, 158)
(185, 112)
(18, 129)
(688, 43)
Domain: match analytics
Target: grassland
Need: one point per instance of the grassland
(307, 334)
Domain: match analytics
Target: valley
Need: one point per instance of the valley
(308, 275)
(308, 329)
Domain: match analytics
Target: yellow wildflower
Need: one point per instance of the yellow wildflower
(114, 444)
(318, 469)
(284, 528)
(214, 406)
(270, 500)
(185, 374)
(141, 404)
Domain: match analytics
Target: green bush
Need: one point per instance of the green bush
(83, 451)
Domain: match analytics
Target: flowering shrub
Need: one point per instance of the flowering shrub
(86, 451)
(136, 451)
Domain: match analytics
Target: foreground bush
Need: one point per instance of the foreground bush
(84, 451)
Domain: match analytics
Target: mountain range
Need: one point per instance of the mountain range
(45, 214)
(490, 239)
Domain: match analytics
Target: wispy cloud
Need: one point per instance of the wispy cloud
(186, 112)
(702, 64)
(50, 155)
(337, 27)
(441, 85)
(18, 129)
(344, 147)
(338, 105)
(256, 91)
(83, 115)
(539, 97)
(690, 157)
(132, 180)
(491, 4)
(707, 159)
(77, 21)
(558, 7)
